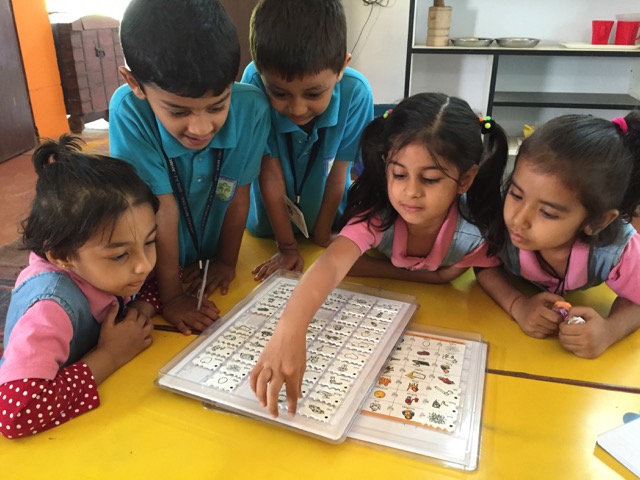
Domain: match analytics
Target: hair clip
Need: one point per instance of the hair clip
(486, 123)
(387, 113)
(622, 123)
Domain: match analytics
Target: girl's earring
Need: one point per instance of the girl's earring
(588, 230)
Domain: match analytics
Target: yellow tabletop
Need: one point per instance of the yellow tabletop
(531, 429)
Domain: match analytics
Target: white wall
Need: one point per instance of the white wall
(381, 53)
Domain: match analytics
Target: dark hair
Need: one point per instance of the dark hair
(78, 195)
(295, 38)
(449, 130)
(596, 159)
(185, 47)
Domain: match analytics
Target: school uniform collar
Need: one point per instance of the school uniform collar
(226, 138)
(328, 118)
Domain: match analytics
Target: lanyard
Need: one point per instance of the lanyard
(183, 203)
(297, 191)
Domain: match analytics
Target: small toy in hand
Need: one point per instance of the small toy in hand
(562, 308)
(575, 320)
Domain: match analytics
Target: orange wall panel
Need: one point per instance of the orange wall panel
(41, 67)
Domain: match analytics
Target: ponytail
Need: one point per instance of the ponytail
(484, 197)
(631, 202)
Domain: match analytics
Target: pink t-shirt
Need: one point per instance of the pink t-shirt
(623, 278)
(39, 342)
(366, 239)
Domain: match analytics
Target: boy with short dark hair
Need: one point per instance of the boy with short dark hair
(195, 137)
(319, 108)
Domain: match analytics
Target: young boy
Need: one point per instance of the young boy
(319, 108)
(196, 138)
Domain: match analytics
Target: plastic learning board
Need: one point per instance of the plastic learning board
(348, 341)
(428, 398)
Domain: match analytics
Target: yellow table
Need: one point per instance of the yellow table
(531, 428)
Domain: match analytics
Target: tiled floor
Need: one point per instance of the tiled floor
(17, 184)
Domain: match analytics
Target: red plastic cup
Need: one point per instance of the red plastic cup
(600, 31)
(627, 32)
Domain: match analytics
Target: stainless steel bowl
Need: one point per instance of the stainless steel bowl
(517, 42)
(471, 42)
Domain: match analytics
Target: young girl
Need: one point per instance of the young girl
(419, 160)
(91, 233)
(575, 186)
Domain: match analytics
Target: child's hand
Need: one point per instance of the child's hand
(283, 360)
(182, 312)
(127, 338)
(286, 260)
(588, 340)
(219, 275)
(534, 315)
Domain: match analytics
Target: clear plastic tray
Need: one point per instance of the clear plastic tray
(433, 433)
(348, 342)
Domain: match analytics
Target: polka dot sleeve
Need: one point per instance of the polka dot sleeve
(32, 405)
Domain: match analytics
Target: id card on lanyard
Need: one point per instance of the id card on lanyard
(183, 203)
(293, 206)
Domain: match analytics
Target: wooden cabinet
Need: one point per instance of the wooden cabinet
(89, 54)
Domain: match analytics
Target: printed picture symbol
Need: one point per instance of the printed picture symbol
(436, 418)
(379, 394)
(410, 400)
(375, 406)
(223, 380)
(413, 386)
(420, 363)
(416, 375)
(445, 368)
(446, 380)
(266, 333)
(447, 393)
(247, 356)
(229, 337)
(343, 368)
(384, 381)
(324, 394)
(408, 414)
(337, 328)
(389, 368)
(333, 381)
(351, 356)
(435, 404)
(426, 343)
(234, 368)
(316, 409)
(449, 357)
(424, 352)
(313, 359)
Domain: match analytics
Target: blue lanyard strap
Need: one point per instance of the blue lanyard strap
(297, 191)
(183, 203)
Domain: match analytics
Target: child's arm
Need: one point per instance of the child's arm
(223, 269)
(273, 190)
(283, 360)
(534, 315)
(179, 309)
(333, 193)
(367, 266)
(32, 405)
(591, 339)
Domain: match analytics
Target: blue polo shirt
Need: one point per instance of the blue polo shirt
(348, 112)
(136, 136)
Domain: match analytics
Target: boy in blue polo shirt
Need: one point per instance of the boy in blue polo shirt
(319, 108)
(196, 138)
